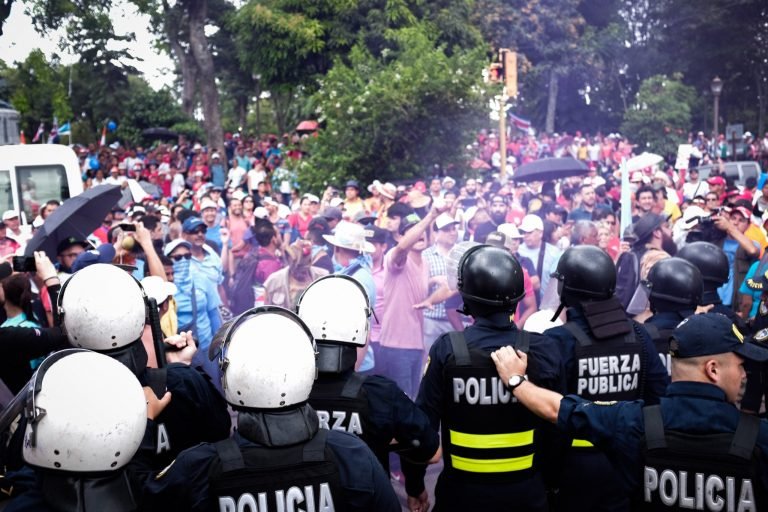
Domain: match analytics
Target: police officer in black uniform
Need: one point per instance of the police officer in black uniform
(104, 309)
(492, 448)
(675, 287)
(713, 264)
(606, 357)
(694, 450)
(279, 458)
(757, 374)
(86, 418)
(336, 310)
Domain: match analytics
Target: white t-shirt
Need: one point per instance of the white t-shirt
(256, 176)
(690, 190)
(235, 176)
(115, 180)
(177, 185)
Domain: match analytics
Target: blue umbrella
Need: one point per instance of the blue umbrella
(77, 217)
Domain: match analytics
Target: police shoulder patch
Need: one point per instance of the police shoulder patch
(162, 473)
(600, 402)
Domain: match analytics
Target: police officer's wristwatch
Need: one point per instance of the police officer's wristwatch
(515, 381)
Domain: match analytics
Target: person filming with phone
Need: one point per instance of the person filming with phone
(741, 251)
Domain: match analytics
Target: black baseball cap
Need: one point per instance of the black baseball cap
(69, 242)
(710, 334)
(375, 234)
(408, 222)
(319, 224)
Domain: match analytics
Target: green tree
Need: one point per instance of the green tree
(291, 43)
(660, 118)
(146, 108)
(38, 90)
(393, 118)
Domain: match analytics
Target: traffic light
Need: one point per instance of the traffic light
(495, 73)
(509, 59)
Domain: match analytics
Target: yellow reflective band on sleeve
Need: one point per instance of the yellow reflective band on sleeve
(581, 443)
(510, 440)
(492, 465)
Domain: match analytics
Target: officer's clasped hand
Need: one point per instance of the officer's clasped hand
(180, 348)
(509, 362)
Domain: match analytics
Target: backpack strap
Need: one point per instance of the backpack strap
(578, 333)
(654, 427)
(156, 379)
(523, 341)
(652, 330)
(229, 454)
(460, 349)
(745, 437)
(352, 387)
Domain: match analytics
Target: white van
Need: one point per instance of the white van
(32, 174)
(738, 171)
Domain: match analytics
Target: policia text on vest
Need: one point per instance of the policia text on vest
(294, 499)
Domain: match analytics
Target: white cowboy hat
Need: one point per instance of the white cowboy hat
(349, 235)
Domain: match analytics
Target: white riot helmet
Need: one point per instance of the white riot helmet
(85, 412)
(267, 358)
(103, 308)
(336, 310)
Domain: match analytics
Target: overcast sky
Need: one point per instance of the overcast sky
(19, 38)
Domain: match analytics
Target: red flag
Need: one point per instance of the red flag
(103, 141)
(22, 138)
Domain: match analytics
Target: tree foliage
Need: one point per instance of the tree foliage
(396, 116)
(38, 90)
(146, 108)
(290, 42)
(661, 115)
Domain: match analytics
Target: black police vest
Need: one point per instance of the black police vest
(343, 405)
(660, 339)
(608, 369)
(713, 472)
(165, 450)
(302, 477)
(487, 436)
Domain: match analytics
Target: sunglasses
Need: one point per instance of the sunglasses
(180, 257)
(199, 231)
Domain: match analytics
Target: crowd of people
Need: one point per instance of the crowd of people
(379, 278)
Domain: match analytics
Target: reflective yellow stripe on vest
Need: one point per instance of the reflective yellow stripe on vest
(492, 465)
(581, 443)
(485, 441)
(512, 440)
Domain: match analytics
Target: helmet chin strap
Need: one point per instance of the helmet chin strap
(558, 311)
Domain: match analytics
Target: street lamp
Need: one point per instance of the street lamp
(717, 88)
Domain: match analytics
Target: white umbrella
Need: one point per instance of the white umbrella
(642, 161)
